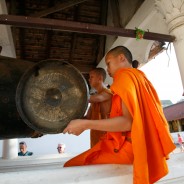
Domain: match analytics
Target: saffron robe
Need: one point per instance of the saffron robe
(95, 135)
(151, 140)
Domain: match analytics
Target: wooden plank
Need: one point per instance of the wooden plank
(71, 26)
(101, 46)
(58, 7)
(116, 13)
(73, 38)
(22, 32)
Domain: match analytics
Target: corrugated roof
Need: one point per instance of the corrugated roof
(175, 111)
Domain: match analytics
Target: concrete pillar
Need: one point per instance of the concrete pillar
(173, 12)
(10, 148)
(179, 126)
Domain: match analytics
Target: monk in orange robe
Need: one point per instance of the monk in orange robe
(100, 102)
(137, 131)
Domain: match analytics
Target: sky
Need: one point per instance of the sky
(164, 74)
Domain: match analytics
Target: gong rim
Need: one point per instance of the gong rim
(43, 108)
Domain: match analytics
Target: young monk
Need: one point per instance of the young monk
(100, 102)
(137, 131)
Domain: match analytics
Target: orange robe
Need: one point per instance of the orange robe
(151, 140)
(95, 135)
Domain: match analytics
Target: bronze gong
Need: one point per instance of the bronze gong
(50, 95)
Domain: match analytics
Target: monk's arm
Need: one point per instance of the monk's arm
(100, 97)
(116, 124)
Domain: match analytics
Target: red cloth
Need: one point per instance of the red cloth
(113, 148)
(95, 135)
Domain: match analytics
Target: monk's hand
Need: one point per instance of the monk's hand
(75, 127)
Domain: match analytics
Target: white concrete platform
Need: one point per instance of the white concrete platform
(176, 170)
(49, 170)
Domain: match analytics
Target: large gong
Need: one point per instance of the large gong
(50, 95)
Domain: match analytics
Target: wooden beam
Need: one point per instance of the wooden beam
(103, 21)
(116, 13)
(21, 34)
(48, 34)
(58, 7)
(74, 36)
(153, 53)
(53, 24)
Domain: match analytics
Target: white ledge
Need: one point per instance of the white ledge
(49, 169)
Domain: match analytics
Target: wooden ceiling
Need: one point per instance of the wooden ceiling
(83, 50)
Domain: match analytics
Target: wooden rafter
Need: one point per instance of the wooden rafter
(48, 35)
(156, 49)
(22, 43)
(22, 32)
(53, 24)
(58, 7)
(115, 13)
(74, 41)
(47, 45)
(103, 21)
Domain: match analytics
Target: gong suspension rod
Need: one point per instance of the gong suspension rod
(61, 25)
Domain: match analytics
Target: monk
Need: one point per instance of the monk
(137, 130)
(100, 102)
